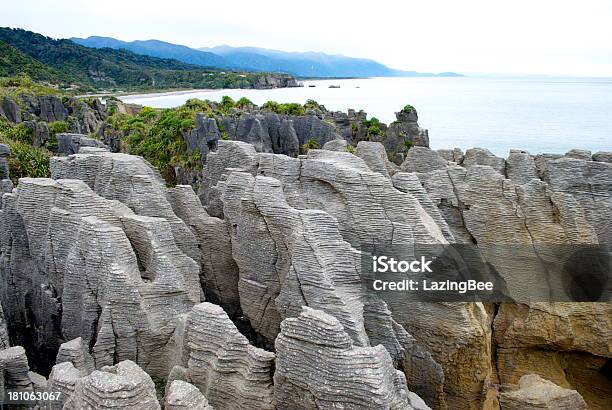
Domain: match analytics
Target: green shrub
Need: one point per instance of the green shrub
(244, 102)
(26, 160)
(285, 108)
(312, 144)
(313, 105)
(227, 103)
(350, 148)
(372, 127)
(16, 132)
(408, 144)
(408, 108)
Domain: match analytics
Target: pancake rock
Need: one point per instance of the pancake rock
(5, 183)
(318, 366)
(72, 143)
(511, 222)
(220, 362)
(185, 396)
(124, 385)
(76, 352)
(78, 265)
(535, 393)
(4, 336)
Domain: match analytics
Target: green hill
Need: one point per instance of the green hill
(65, 62)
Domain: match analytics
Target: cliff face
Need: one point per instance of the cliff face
(251, 296)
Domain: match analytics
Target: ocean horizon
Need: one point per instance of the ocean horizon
(534, 113)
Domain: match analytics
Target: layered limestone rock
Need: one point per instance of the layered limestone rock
(14, 371)
(336, 145)
(375, 156)
(124, 385)
(77, 353)
(185, 396)
(4, 336)
(603, 156)
(318, 366)
(535, 393)
(482, 156)
(405, 132)
(131, 181)
(220, 362)
(68, 144)
(5, 183)
(509, 219)
(219, 272)
(63, 379)
(121, 278)
(423, 159)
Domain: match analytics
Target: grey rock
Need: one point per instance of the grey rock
(5, 151)
(52, 109)
(603, 156)
(4, 336)
(535, 393)
(452, 155)
(219, 273)
(14, 371)
(405, 130)
(582, 154)
(185, 396)
(40, 132)
(482, 156)
(131, 181)
(318, 366)
(69, 144)
(124, 385)
(220, 362)
(204, 137)
(521, 167)
(121, 278)
(336, 145)
(77, 353)
(10, 110)
(375, 156)
(423, 159)
(63, 379)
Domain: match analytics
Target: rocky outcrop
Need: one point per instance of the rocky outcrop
(318, 366)
(275, 81)
(77, 353)
(535, 393)
(482, 156)
(336, 145)
(5, 183)
(69, 144)
(423, 159)
(4, 336)
(549, 200)
(10, 110)
(185, 396)
(375, 156)
(220, 362)
(124, 385)
(603, 156)
(404, 133)
(78, 265)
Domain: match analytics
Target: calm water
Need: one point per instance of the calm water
(540, 115)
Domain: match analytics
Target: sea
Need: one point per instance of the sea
(536, 114)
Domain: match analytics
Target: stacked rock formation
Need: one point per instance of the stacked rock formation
(121, 277)
(530, 200)
(537, 393)
(5, 183)
(221, 363)
(319, 367)
(185, 396)
(124, 385)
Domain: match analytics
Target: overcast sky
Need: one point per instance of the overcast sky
(518, 36)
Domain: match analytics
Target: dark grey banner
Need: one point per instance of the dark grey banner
(492, 273)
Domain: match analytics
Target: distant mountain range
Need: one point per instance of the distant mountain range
(65, 63)
(307, 64)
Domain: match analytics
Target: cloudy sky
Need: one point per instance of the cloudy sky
(493, 36)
